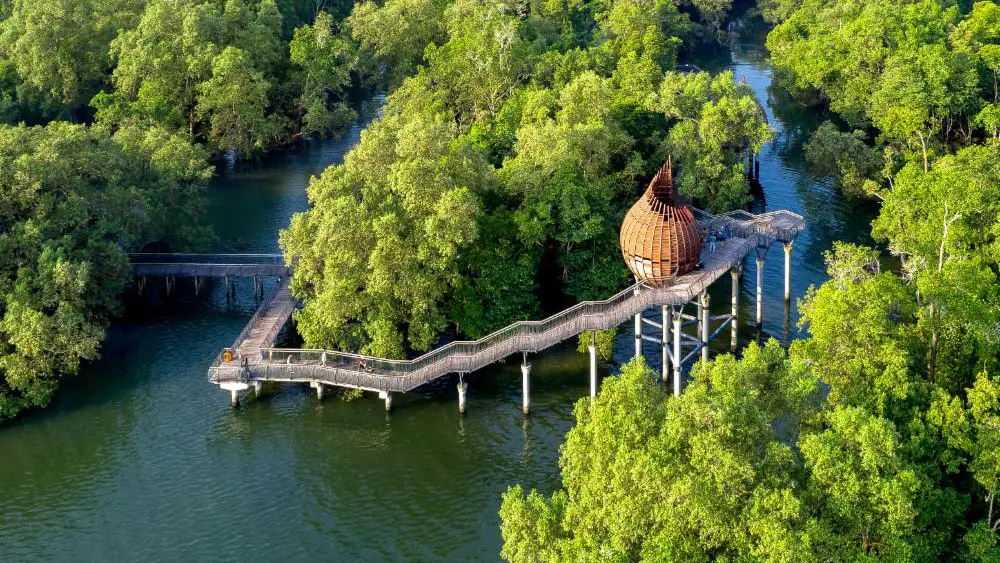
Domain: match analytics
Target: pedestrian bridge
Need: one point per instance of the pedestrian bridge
(252, 359)
(208, 265)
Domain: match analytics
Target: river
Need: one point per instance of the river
(141, 459)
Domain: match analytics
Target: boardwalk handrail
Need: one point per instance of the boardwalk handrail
(186, 258)
(353, 370)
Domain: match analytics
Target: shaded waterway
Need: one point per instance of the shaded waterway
(141, 459)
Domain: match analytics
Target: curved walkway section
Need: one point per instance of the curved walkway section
(745, 230)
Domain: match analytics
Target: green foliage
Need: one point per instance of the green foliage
(59, 48)
(719, 121)
(501, 169)
(701, 477)
(397, 32)
(73, 201)
(234, 102)
(854, 165)
(325, 59)
(914, 70)
(604, 341)
(229, 73)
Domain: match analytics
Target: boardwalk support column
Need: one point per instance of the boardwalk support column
(788, 270)
(677, 352)
(234, 388)
(319, 390)
(665, 343)
(592, 348)
(760, 289)
(526, 385)
(735, 273)
(462, 388)
(699, 315)
(638, 334)
(258, 389)
(704, 325)
(388, 399)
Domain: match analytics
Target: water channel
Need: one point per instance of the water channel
(141, 459)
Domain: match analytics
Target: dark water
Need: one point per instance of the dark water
(141, 459)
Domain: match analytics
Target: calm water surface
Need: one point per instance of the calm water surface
(141, 459)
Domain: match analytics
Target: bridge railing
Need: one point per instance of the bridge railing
(529, 336)
(182, 258)
(466, 356)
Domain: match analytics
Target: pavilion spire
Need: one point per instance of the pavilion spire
(662, 184)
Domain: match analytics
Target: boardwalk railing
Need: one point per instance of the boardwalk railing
(208, 265)
(379, 374)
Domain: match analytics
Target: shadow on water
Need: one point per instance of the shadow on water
(142, 459)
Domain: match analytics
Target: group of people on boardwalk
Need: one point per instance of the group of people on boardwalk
(712, 238)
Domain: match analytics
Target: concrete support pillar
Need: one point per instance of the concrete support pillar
(462, 388)
(665, 343)
(760, 291)
(258, 389)
(788, 270)
(592, 348)
(235, 397)
(638, 335)
(698, 315)
(388, 401)
(735, 277)
(319, 390)
(526, 385)
(704, 326)
(677, 352)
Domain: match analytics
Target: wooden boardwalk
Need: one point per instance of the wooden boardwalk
(261, 330)
(327, 367)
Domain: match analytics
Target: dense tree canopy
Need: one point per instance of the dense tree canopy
(875, 437)
(229, 73)
(73, 201)
(504, 164)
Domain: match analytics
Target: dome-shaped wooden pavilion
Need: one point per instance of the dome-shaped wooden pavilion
(659, 236)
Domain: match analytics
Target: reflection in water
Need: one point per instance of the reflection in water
(141, 459)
